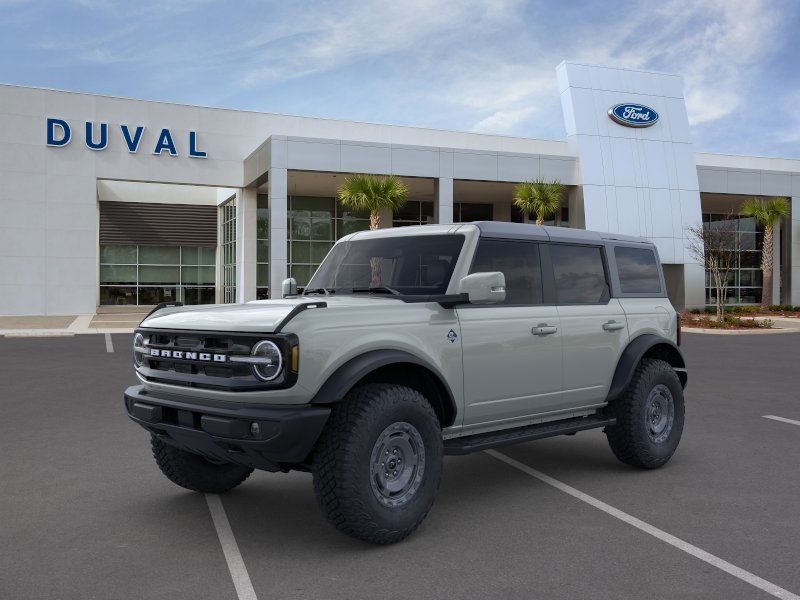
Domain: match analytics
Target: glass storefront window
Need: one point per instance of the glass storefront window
(262, 247)
(315, 223)
(414, 213)
(464, 212)
(745, 280)
(152, 274)
(227, 228)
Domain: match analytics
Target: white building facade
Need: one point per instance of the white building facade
(111, 201)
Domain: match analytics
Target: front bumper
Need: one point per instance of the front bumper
(228, 433)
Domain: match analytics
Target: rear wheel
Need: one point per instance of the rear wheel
(194, 472)
(649, 416)
(378, 463)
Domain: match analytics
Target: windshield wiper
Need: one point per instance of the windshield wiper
(378, 289)
(321, 290)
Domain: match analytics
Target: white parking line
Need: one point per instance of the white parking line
(782, 419)
(109, 343)
(241, 580)
(715, 561)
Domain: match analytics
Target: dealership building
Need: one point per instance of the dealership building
(113, 201)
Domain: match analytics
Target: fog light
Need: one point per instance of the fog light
(255, 429)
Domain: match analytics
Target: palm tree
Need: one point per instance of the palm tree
(766, 211)
(539, 197)
(373, 193)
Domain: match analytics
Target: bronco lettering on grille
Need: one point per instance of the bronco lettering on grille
(204, 356)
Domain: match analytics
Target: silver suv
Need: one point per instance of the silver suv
(409, 344)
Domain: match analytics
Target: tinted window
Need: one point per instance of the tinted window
(638, 271)
(519, 262)
(579, 274)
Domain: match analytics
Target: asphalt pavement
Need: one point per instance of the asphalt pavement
(86, 513)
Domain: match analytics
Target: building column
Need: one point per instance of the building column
(278, 219)
(387, 218)
(793, 270)
(246, 206)
(443, 194)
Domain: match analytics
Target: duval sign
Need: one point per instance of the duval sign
(633, 115)
(59, 134)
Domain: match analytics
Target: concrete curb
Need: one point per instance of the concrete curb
(736, 331)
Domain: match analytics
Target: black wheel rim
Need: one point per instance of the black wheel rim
(659, 413)
(397, 464)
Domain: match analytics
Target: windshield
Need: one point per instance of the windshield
(411, 265)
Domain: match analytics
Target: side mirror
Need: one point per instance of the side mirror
(484, 288)
(289, 287)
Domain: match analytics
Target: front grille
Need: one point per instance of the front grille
(195, 372)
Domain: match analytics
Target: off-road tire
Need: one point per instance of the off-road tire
(194, 472)
(343, 462)
(629, 437)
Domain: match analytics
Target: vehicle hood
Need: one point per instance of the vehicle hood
(261, 316)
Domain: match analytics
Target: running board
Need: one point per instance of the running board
(493, 439)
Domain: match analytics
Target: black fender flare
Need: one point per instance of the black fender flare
(351, 372)
(636, 349)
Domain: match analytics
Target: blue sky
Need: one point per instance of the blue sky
(479, 65)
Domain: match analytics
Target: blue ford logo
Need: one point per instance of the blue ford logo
(633, 115)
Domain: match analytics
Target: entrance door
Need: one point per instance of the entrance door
(512, 351)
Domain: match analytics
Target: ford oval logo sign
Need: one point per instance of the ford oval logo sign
(633, 115)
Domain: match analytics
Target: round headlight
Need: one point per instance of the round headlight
(138, 349)
(270, 360)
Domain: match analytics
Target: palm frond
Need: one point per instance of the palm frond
(373, 193)
(539, 197)
(765, 211)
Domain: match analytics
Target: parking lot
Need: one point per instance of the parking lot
(86, 513)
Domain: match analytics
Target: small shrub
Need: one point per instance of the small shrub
(695, 311)
(710, 310)
(782, 308)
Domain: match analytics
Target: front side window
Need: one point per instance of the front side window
(412, 265)
(518, 262)
(579, 274)
(638, 271)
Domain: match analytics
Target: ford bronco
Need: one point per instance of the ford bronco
(409, 344)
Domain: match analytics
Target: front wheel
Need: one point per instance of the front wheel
(649, 416)
(378, 463)
(194, 472)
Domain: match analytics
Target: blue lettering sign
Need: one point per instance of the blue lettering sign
(64, 134)
(165, 143)
(90, 143)
(59, 134)
(193, 151)
(132, 142)
(633, 115)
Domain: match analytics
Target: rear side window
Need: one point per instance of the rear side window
(638, 270)
(519, 262)
(579, 274)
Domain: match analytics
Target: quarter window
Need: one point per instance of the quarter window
(638, 271)
(579, 274)
(519, 262)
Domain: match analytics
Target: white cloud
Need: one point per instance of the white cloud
(320, 41)
(715, 45)
(504, 121)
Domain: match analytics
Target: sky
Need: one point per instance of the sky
(472, 65)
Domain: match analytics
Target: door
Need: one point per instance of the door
(511, 351)
(594, 327)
